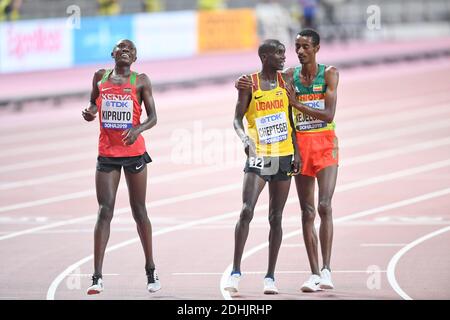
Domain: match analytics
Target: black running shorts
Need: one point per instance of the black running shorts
(130, 164)
(270, 168)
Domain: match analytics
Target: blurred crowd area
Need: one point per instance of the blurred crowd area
(305, 12)
(335, 19)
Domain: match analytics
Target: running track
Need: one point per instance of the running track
(391, 206)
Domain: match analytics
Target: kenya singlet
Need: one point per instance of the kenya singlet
(268, 119)
(119, 110)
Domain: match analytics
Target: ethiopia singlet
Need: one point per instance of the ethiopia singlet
(268, 119)
(119, 110)
(314, 97)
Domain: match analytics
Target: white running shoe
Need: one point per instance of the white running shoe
(269, 286)
(96, 287)
(312, 284)
(233, 283)
(153, 283)
(325, 279)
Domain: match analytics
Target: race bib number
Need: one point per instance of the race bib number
(117, 114)
(272, 128)
(256, 162)
(304, 122)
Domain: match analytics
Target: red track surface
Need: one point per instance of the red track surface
(393, 188)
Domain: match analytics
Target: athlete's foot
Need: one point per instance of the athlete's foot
(97, 285)
(153, 283)
(312, 284)
(269, 286)
(232, 285)
(325, 279)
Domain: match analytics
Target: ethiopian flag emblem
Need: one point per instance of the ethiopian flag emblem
(317, 88)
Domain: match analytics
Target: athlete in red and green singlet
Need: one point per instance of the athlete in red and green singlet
(117, 96)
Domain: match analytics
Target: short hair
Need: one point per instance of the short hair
(310, 33)
(125, 40)
(269, 45)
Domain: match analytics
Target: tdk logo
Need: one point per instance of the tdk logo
(272, 118)
(117, 104)
(313, 104)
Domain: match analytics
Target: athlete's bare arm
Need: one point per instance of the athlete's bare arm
(90, 112)
(288, 79)
(244, 98)
(327, 115)
(145, 94)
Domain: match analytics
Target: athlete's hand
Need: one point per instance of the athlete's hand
(244, 82)
(249, 147)
(290, 90)
(296, 164)
(88, 115)
(130, 136)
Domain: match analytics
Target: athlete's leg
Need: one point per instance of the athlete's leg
(305, 191)
(326, 179)
(253, 185)
(106, 184)
(278, 193)
(137, 187)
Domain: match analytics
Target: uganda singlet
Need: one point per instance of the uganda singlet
(314, 97)
(119, 110)
(268, 119)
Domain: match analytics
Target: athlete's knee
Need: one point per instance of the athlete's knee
(139, 212)
(324, 207)
(275, 218)
(105, 212)
(308, 213)
(246, 213)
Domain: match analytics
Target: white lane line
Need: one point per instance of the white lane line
(395, 175)
(394, 260)
(292, 245)
(394, 118)
(345, 110)
(42, 147)
(153, 204)
(405, 149)
(90, 192)
(354, 160)
(46, 179)
(382, 244)
(54, 285)
(88, 275)
(226, 295)
(47, 162)
(393, 133)
(339, 188)
(413, 102)
(264, 272)
(360, 140)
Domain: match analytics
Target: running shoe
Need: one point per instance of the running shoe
(233, 283)
(269, 286)
(312, 284)
(97, 285)
(325, 279)
(153, 283)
